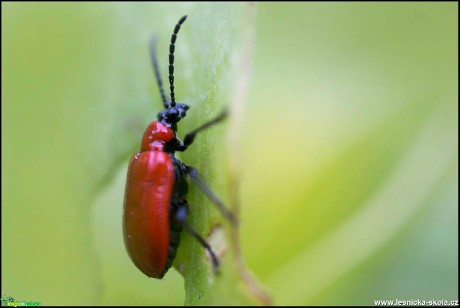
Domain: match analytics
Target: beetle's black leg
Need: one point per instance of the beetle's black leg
(190, 137)
(194, 233)
(212, 196)
(180, 216)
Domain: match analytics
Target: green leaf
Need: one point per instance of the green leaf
(80, 90)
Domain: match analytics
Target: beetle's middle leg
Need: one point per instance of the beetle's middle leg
(229, 215)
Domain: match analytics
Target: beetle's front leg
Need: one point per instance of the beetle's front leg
(190, 137)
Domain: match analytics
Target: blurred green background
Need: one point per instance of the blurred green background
(349, 147)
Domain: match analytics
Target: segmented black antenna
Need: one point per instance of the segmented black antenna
(171, 59)
(153, 57)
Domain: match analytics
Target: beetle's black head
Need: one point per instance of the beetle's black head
(172, 115)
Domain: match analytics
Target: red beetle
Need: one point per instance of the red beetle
(155, 205)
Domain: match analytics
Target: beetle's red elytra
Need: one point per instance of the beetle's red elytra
(155, 205)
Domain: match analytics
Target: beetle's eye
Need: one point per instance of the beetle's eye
(173, 113)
